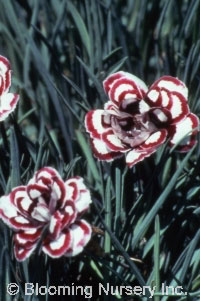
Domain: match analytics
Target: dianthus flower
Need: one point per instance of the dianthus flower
(137, 120)
(8, 101)
(47, 213)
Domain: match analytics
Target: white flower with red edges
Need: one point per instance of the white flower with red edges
(137, 120)
(47, 214)
(8, 101)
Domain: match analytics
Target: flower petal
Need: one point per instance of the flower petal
(55, 224)
(21, 253)
(51, 185)
(35, 190)
(58, 247)
(160, 116)
(183, 132)
(21, 201)
(31, 235)
(171, 84)
(69, 213)
(113, 142)
(21, 223)
(108, 82)
(101, 151)
(138, 83)
(27, 239)
(4, 64)
(11, 214)
(109, 105)
(8, 104)
(5, 72)
(44, 176)
(94, 123)
(179, 108)
(7, 210)
(154, 140)
(2, 85)
(61, 219)
(17, 193)
(127, 87)
(81, 233)
(170, 93)
(77, 191)
(134, 156)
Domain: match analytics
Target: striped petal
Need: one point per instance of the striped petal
(48, 183)
(134, 156)
(171, 84)
(44, 176)
(123, 85)
(113, 142)
(154, 140)
(14, 210)
(61, 219)
(35, 190)
(7, 210)
(109, 105)
(95, 123)
(58, 247)
(31, 235)
(81, 233)
(41, 213)
(21, 223)
(101, 151)
(21, 253)
(5, 72)
(69, 214)
(27, 206)
(8, 104)
(184, 133)
(161, 117)
(179, 108)
(55, 225)
(77, 191)
(125, 88)
(27, 239)
(108, 82)
(170, 93)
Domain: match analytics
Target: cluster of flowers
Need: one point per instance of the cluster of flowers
(46, 213)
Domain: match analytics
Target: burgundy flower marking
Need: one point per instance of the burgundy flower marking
(8, 101)
(48, 212)
(137, 120)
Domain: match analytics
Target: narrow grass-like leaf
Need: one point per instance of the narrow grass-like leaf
(47, 79)
(15, 164)
(157, 257)
(116, 242)
(94, 79)
(117, 66)
(80, 26)
(160, 201)
(118, 200)
(189, 255)
(190, 16)
(88, 154)
(108, 217)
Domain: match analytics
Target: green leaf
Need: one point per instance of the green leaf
(80, 26)
(88, 154)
